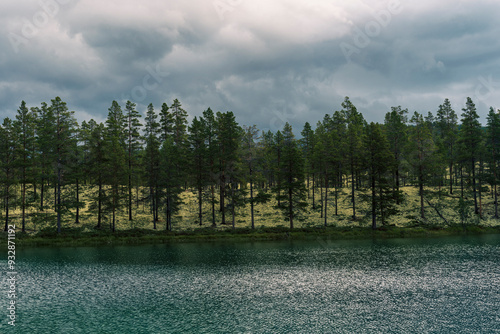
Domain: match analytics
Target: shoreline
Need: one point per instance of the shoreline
(77, 238)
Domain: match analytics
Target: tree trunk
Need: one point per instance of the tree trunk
(476, 209)
(222, 198)
(114, 210)
(290, 205)
(233, 213)
(353, 186)
(23, 206)
(41, 194)
(7, 208)
(421, 192)
(321, 198)
(99, 205)
(213, 206)
(451, 178)
(326, 198)
(129, 195)
(58, 198)
(336, 199)
(157, 206)
(314, 204)
(374, 204)
(496, 200)
(397, 185)
(200, 212)
(462, 181)
(153, 205)
(77, 218)
(251, 202)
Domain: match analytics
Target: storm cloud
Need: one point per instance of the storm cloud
(268, 62)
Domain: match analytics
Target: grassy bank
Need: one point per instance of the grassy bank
(270, 224)
(79, 237)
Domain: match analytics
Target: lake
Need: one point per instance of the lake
(441, 285)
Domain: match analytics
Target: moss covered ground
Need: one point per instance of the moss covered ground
(270, 223)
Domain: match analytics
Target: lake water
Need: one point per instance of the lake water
(442, 285)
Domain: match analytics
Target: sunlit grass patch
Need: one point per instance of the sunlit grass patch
(266, 215)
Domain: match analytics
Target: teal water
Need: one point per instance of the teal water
(444, 285)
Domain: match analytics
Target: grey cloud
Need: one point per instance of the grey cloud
(268, 73)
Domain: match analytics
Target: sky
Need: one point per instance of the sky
(270, 62)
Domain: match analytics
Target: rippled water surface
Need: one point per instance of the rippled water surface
(445, 285)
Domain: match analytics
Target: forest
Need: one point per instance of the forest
(53, 169)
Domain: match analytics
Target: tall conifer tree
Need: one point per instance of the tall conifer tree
(470, 137)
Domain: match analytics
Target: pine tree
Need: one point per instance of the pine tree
(151, 159)
(353, 139)
(266, 147)
(339, 126)
(228, 139)
(329, 158)
(396, 130)
(96, 164)
(170, 179)
(307, 145)
(249, 146)
(291, 190)
(448, 130)
(63, 142)
(24, 125)
(493, 147)
(211, 142)
(322, 165)
(46, 129)
(179, 125)
(77, 170)
(133, 146)
(199, 159)
(421, 154)
(379, 161)
(8, 142)
(470, 137)
(116, 171)
(166, 122)
(277, 156)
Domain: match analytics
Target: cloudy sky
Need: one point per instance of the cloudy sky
(269, 62)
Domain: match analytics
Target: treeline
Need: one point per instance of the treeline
(127, 160)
